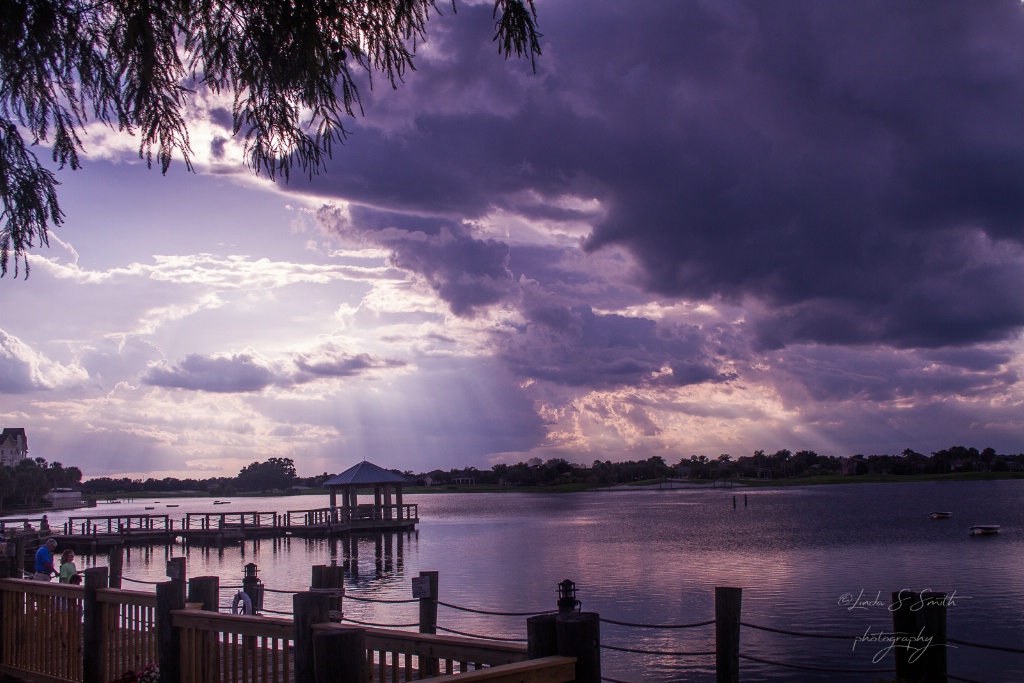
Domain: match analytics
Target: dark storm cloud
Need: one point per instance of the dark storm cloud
(834, 374)
(236, 374)
(467, 273)
(331, 363)
(854, 167)
(243, 373)
(573, 345)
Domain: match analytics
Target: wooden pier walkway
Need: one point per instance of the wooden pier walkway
(97, 532)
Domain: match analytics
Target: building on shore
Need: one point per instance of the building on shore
(13, 446)
(64, 499)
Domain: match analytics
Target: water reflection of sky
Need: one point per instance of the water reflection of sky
(656, 556)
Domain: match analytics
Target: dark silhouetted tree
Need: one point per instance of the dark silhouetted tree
(290, 67)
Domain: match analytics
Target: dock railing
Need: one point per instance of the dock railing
(55, 633)
(362, 513)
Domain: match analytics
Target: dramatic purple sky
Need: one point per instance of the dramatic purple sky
(701, 227)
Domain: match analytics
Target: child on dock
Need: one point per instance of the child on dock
(68, 570)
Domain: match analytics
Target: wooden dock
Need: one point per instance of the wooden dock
(99, 532)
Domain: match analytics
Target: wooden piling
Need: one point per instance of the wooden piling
(428, 621)
(728, 602)
(170, 595)
(919, 624)
(579, 636)
(541, 636)
(205, 589)
(308, 608)
(330, 580)
(92, 625)
(340, 656)
(19, 557)
(428, 605)
(115, 560)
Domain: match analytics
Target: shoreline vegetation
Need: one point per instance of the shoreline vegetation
(27, 484)
(660, 483)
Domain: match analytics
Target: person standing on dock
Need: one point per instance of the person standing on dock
(68, 570)
(44, 561)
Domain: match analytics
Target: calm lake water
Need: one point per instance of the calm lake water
(801, 556)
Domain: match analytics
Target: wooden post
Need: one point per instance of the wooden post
(92, 626)
(340, 656)
(904, 623)
(5, 572)
(428, 621)
(205, 589)
(579, 636)
(919, 624)
(176, 570)
(933, 625)
(19, 557)
(428, 605)
(727, 634)
(170, 595)
(115, 560)
(308, 608)
(331, 581)
(541, 636)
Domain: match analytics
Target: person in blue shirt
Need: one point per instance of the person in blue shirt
(44, 561)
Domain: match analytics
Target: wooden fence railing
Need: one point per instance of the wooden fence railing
(55, 633)
(129, 631)
(41, 630)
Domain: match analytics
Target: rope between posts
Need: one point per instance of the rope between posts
(799, 633)
(474, 635)
(270, 611)
(1000, 648)
(272, 590)
(494, 614)
(805, 667)
(370, 623)
(148, 583)
(390, 602)
(637, 651)
(626, 623)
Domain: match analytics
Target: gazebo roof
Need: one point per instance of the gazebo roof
(365, 473)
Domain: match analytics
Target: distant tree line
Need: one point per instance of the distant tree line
(275, 474)
(780, 464)
(25, 484)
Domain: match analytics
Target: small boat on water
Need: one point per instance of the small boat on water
(172, 506)
(941, 515)
(984, 529)
(222, 502)
(149, 508)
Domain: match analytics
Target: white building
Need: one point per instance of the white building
(13, 446)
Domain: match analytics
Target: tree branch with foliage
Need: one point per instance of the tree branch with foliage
(290, 68)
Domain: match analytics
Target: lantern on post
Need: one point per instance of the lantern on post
(253, 587)
(567, 601)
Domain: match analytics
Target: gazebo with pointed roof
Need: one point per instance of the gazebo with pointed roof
(365, 475)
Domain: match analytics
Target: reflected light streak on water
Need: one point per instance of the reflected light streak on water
(655, 557)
